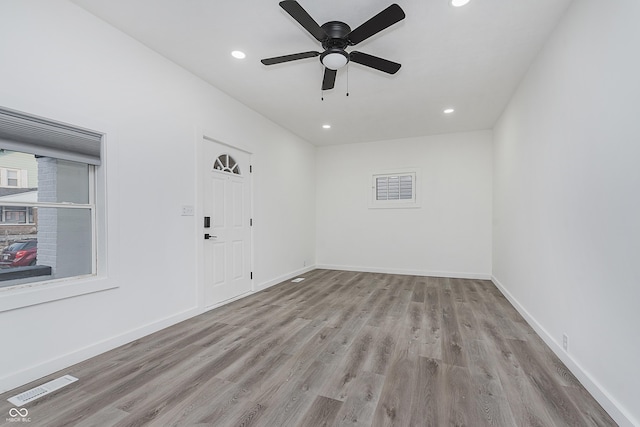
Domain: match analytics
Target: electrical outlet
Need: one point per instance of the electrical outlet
(565, 342)
(187, 210)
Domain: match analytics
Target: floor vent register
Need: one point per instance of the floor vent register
(42, 390)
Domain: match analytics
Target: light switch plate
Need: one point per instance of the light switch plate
(187, 210)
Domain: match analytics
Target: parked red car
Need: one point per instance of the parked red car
(19, 254)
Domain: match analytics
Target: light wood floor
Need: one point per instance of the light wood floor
(338, 349)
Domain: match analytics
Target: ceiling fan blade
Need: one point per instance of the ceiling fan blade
(329, 79)
(287, 58)
(296, 11)
(382, 20)
(375, 62)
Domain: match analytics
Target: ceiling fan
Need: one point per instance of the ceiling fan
(336, 36)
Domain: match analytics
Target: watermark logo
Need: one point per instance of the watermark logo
(15, 412)
(18, 415)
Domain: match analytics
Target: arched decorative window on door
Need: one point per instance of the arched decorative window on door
(226, 163)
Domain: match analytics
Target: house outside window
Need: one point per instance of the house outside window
(10, 215)
(12, 178)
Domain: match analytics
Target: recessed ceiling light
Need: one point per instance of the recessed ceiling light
(326, 126)
(238, 54)
(449, 111)
(458, 3)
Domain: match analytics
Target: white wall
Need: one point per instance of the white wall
(449, 235)
(566, 198)
(60, 62)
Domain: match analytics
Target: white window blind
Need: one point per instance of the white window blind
(399, 187)
(35, 135)
(394, 189)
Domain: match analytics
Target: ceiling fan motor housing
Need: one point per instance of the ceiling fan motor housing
(337, 33)
(334, 55)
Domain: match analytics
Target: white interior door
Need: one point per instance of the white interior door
(227, 204)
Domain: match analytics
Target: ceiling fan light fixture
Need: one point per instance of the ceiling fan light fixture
(334, 59)
(459, 3)
(238, 54)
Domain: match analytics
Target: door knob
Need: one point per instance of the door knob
(208, 236)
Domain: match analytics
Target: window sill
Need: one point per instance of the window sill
(28, 294)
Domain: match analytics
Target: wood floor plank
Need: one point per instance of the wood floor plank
(394, 404)
(526, 405)
(419, 288)
(379, 359)
(593, 415)
(322, 413)
(250, 416)
(359, 407)
(382, 307)
(540, 375)
(347, 333)
(340, 348)
(458, 406)
(452, 342)
(261, 350)
(289, 404)
(106, 417)
(431, 346)
(347, 370)
(427, 399)
(491, 405)
(198, 406)
(295, 367)
(467, 322)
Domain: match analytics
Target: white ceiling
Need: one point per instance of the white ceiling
(468, 58)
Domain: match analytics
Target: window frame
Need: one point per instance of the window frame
(415, 200)
(24, 293)
(4, 177)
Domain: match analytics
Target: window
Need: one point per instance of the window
(226, 163)
(16, 215)
(11, 177)
(57, 221)
(47, 230)
(394, 190)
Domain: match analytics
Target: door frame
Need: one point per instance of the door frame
(203, 138)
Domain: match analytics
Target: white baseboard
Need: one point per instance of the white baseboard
(32, 373)
(280, 279)
(449, 274)
(613, 408)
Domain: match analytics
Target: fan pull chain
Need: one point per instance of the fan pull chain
(322, 88)
(347, 79)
